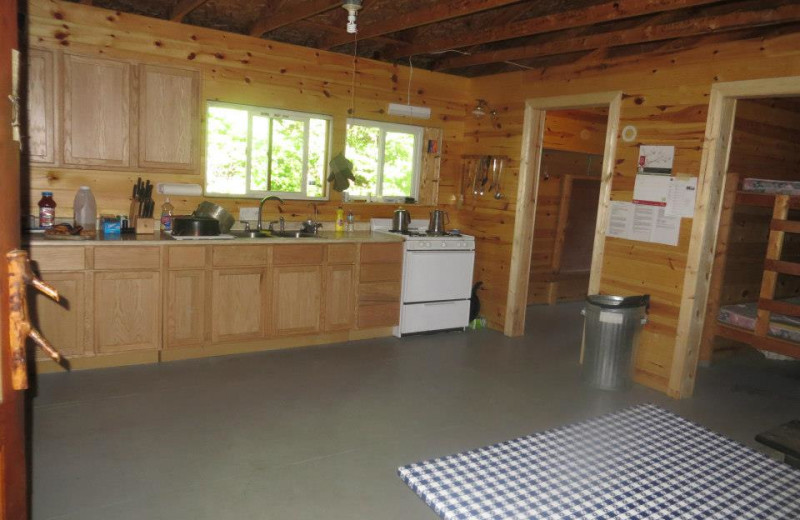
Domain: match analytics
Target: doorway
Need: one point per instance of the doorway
(531, 175)
(705, 227)
(566, 204)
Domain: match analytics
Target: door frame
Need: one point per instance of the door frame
(705, 226)
(528, 188)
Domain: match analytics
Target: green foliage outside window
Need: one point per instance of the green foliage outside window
(285, 150)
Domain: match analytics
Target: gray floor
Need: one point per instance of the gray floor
(318, 432)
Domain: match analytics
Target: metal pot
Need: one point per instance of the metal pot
(439, 219)
(215, 211)
(193, 226)
(400, 220)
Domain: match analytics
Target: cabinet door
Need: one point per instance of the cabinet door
(296, 299)
(97, 111)
(62, 323)
(339, 297)
(127, 311)
(168, 120)
(239, 299)
(186, 308)
(41, 141)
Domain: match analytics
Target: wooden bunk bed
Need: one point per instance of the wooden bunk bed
(770, 310)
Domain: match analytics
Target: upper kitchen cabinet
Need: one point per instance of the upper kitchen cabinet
(97, 111)
(41, 142)
(168, 117)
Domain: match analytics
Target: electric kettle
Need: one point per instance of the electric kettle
(400, 220)
(438, 220)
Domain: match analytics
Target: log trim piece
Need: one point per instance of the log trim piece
(779, 346)
(581, 17)
(646, 33)
(433, 13)
(528, 184)
(714, 164)
(298, 12)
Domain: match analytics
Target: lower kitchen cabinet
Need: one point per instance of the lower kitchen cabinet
(127, 311)
(339, 309)
(238, 310)
(296, 299)
(63, 324)
(186, 308)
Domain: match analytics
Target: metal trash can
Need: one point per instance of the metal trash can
(611, 331)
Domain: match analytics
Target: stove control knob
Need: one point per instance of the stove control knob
(462, 244)
(444, 245)
(426, 244)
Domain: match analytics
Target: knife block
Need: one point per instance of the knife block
(145, 226)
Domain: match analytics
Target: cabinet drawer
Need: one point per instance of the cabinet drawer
(59, 258)
(183, 257)
(384, 315)
(381, 273)
(122, 258)
(342, 254)
(381, 292)
(382, 253)
(239, 256)
(297, 255)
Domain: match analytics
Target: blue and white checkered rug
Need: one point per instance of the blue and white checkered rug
(642, 462)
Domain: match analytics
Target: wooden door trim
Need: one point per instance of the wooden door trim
(705, 226)
(527, 190)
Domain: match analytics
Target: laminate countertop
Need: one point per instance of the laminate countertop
(161, 238)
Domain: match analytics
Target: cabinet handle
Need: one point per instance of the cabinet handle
(20, 275)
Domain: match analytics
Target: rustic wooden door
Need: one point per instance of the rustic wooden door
(13, 480)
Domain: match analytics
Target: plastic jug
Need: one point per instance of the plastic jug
(85, 209)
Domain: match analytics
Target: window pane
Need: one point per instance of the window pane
(259, 155)
(288, 137)
(226, 154)
(398, 164)
(362, 150)
(317, 152)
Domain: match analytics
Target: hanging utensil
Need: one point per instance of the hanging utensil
(498, 195)
(476, 166)
(495, 160)
(484, 174)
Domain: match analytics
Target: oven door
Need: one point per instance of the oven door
(430, 276)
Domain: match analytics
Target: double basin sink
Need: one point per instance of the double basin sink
(274, 234)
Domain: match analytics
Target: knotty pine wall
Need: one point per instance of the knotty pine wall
(241, 69)
(666, 96)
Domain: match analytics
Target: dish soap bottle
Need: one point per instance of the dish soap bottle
(166, 215)
(339, 220)
(47, 210)
(85, 209)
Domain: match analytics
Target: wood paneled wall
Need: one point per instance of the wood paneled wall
(241, 69)
(665, 97)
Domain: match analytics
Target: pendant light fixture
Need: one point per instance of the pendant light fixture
(352, 7)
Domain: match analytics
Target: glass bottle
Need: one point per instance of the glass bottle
(166, 215)
(47, 210)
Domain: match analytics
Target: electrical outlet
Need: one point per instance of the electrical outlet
(248, 214)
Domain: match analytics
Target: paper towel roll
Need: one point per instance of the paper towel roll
(179, 188)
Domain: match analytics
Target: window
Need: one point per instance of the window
(254, 151)
(386, 158)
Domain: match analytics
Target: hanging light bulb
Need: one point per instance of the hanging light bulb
(352, 7)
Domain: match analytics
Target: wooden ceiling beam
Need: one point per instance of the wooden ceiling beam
(183, 8)
(287, 16)
(433, 13)
(581, 17)
(86, 2)
(693, 26)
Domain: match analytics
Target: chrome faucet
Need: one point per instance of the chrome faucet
(311, 225)
(261, 208)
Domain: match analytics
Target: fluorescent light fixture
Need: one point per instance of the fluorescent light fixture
(397, 109)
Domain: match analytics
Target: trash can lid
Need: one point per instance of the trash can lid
(608, 301)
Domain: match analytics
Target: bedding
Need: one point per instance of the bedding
(744, 315)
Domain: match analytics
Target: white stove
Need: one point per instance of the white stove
(437, 278)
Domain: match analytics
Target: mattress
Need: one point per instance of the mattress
(641, 462)
(770, 186)
(744, 315)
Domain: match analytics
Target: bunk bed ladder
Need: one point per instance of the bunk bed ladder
(773, 266)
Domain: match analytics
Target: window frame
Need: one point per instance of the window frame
(384, 127)
(254, 111)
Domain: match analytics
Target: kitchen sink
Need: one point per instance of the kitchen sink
(275, 234)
